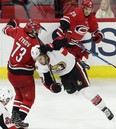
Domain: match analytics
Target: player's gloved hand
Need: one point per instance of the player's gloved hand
(45, 48)
(60, 42)
(13, 22)
(55, 87)
(97, 36)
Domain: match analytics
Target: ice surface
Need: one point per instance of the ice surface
(64, 111)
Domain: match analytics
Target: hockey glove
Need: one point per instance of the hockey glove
(13, 22)
(55, 87)
(59, 43)
(45, 48)
(97, 36)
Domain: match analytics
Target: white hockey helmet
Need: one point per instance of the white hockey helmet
(6, 94)
(35, 52)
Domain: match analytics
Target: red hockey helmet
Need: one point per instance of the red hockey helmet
(87, 3)
(35, 24)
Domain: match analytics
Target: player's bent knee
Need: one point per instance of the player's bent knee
(29, 101)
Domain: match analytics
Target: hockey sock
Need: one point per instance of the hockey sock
(89, 94)
(22, 115)
(97, 100)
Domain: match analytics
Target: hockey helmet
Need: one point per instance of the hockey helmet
(34, 25)
(87, 3)
(6, 94)
(35, 52)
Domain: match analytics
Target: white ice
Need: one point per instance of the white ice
(64, 111)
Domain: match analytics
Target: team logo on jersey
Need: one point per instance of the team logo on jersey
(82, 30)
(59, 67)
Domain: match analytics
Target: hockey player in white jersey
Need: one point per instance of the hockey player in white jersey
(6, 95)
(73, 76)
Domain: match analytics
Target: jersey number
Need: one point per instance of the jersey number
(21, 54)
(8, 120)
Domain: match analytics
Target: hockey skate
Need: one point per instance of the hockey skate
(18, 121)
(108, 113)
(14, 116)
(21, 125)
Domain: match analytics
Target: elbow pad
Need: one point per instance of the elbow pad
(64, 25)
(13, 22)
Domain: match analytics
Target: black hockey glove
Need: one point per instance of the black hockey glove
(45, 48)
(55, 87)
(59, 43)
(13, 22)
(97, 36)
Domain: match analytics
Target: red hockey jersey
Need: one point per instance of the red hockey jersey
(20, 57)
(79, 24)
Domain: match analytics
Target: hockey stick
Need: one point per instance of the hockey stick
(90, 52)
(19, 2)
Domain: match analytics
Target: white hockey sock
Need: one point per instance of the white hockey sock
(95, 98)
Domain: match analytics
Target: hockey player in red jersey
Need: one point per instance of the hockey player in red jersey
(6, 95)
(73, 76)
(75, 25)
(72, 29)
(21, 68)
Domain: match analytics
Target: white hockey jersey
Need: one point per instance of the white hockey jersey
(61, 62)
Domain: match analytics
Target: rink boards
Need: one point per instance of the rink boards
(99, 69)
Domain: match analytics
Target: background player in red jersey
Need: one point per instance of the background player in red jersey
(6, 95)
(21, 68)
(75, 25)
